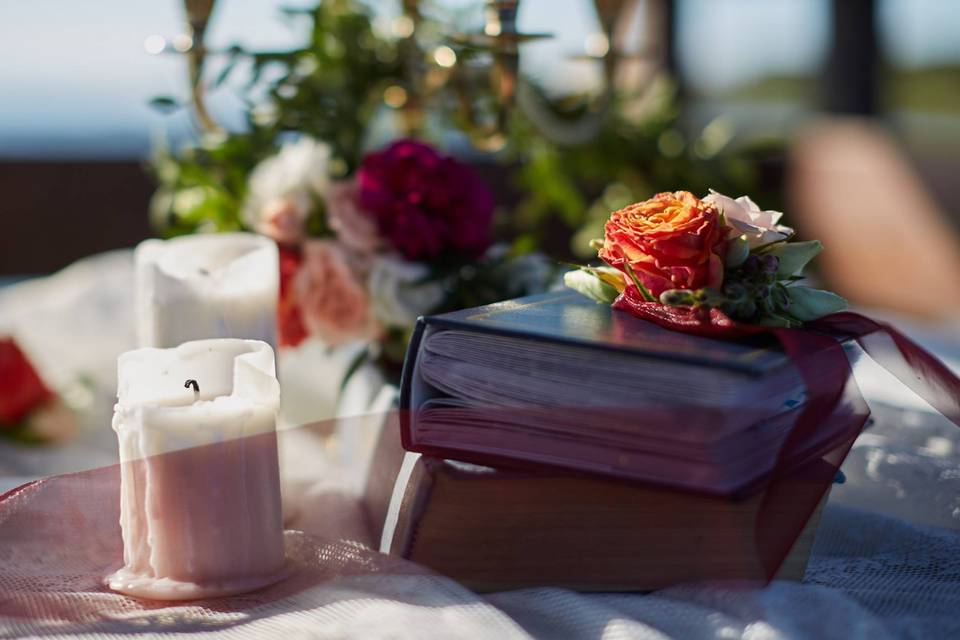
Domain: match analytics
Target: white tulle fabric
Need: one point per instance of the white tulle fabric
(885, 564)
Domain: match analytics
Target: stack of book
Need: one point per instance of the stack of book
(553, 441)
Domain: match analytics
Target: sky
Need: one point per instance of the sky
(75, 76)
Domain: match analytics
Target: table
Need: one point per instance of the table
(884, 564)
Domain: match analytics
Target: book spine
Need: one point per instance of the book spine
(411, 497)
(406, 383)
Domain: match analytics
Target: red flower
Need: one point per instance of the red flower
(425, 203)
(21, 389)
(290, 329)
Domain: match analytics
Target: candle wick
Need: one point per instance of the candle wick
(196, 388)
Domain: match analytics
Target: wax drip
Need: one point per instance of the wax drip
(196, 388)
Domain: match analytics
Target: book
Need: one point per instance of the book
(557, 380)
(499, 529)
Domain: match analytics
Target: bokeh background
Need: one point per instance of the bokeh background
(850, 108)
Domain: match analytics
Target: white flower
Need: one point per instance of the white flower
(284, 188)
(398, 294)
(746, 218)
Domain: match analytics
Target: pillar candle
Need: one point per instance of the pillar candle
(200, 507)
(206, 286)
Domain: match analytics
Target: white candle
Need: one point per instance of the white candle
(200, 486)
(206, 286)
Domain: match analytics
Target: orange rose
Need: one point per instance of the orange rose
(671, 241)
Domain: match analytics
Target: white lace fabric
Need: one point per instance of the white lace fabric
(869, 577)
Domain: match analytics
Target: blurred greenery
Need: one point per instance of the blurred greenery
(933, 89)
(640, 149)
(335, 89)
(330, 90)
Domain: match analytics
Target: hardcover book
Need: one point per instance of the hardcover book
(556, 380)
(499, 529)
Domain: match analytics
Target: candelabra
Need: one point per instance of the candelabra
(481, 71)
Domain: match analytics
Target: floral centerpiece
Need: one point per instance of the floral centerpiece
(376, 226)
(714, 262)
(362, 257)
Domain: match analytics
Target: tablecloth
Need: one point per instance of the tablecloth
(885, 562)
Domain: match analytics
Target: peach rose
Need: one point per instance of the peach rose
(333, 302)
(283, 218)
(671, 241)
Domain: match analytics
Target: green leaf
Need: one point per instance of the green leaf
(235, 52)
(738, 250)
(165, 104)
(613, 277)
(807, 303)
(358, 361)
(678, 298)
(794, 256)
(636, 281)
(590, 285)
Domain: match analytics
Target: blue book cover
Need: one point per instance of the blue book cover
(714, 413)
(568, 317)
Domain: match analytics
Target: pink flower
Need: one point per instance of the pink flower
(354, 228)
(747, 219)
(333, 302)
(425, 203)
(283, 219)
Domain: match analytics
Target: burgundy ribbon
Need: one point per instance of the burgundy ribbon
(819, 356)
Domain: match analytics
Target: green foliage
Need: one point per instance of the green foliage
(202, 188)
(639, 149)
(331, 90)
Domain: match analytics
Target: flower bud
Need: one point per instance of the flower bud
(590, 285)
(752, 264)
(769, 263)
(677, 298)
(738, 249)
(711, 297)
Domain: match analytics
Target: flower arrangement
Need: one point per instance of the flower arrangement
(374, 232)
(375, 226)
(716, 261)
(409, 233)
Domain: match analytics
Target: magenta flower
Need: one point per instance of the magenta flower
(425, 203)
